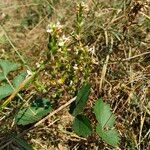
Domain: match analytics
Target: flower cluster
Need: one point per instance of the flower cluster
(52, 27)
(56, 31)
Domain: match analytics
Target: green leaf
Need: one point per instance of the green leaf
(53, 45)
(8, 66)
(19, 79)
(22, 143)
(106, 120)
(38, 109)
(103, 114)
(2, 77)
(78, 106)
(5, 91)
(82, 126)
(111, 136)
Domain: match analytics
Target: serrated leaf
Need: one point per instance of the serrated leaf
(5, 91)
(19, 79)
(106, 121)
(38, 109)
(78, 106)
(111, 137)
(2, 77)
(8, 66)
(103, 114)
(82, 126)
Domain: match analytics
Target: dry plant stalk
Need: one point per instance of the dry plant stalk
(11, 97)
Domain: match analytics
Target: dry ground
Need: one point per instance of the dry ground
(113, 55)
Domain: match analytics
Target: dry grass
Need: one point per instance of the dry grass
(112, 52)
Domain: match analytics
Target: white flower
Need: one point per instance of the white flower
(53, 26)
(92, 50)
(71, 82)
(49, 28)
(37, 65)
(58, 25)
(61, 43)
(29, 73)
(63, 40)
(75, 67)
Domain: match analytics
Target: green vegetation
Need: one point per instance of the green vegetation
(106, 122)
(104, 116)
(74, 74)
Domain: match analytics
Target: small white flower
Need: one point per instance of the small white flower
(92, 50)
(58, 25)
(61, 43)
(37, 65)
(46, 73)
(63, 40)
(49, 30)
(75, 67)
(3, 15)
(71, 82)
(53, 26)
(29, 73)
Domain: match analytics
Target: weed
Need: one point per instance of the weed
(49, 49)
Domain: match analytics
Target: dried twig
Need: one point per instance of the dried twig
(127, 59)
(48, 116)
(55, 111)
(11, 97)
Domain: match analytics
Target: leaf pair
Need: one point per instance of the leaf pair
(106, 120)
(81, 123)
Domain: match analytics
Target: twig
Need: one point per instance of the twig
(127, 59)
(104, 69)
(143, 138)
(148, 17)
(141, 128)
(48, 116)
(55, 112)
(11, 97)
(13, 88)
